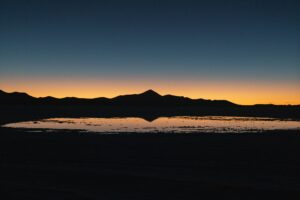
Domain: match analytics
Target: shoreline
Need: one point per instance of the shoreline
(70, 164)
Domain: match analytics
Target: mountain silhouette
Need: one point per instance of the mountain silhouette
(150, 93)
(147, 98)
(16, 98)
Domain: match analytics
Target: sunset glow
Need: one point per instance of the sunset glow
(240, 92)
(247, 53)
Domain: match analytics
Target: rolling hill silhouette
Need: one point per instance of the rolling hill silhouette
(16, 98)
(147, 98)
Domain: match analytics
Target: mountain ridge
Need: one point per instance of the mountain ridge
(147, 98)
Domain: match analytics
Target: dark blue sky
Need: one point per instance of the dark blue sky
(254, 41)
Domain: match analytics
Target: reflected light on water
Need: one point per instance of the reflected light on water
(182, 124)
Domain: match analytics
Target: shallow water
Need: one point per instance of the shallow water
(182, 124)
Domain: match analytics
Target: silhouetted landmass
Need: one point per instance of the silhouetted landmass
(148, 98)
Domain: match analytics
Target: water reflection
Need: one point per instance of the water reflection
(182, 124)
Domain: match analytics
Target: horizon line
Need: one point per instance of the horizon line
(49, 96)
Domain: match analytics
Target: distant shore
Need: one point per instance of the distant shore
(17, 113)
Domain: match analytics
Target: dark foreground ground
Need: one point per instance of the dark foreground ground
(72, 165)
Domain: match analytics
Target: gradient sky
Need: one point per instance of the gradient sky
(246, 51)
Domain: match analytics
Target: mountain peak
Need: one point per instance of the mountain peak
(147, 98)
(150, 92)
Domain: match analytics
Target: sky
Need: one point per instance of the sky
(247, 52)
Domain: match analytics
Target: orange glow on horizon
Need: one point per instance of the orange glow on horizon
(240, 92)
